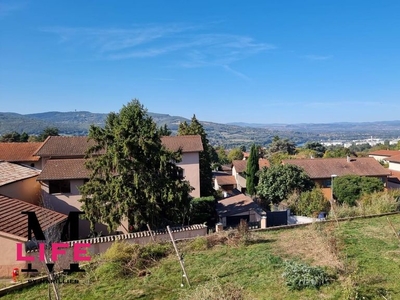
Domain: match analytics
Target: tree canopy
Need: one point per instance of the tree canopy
(14, 137)
(278, 182)
(195, 128)
(235, 154)
(279, 145)
(348, 189)
(136, 177)
(251, 171)
(317, 147)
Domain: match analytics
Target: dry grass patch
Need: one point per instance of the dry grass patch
(313, 243)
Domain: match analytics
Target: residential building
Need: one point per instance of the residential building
(239, 169)
(21, 153)
(18, 181)
(14, 229)
(323, 170)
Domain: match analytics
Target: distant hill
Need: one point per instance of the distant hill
(228, 135)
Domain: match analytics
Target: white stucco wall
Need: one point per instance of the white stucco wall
(394, 166)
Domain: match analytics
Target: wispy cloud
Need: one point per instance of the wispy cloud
(10, 7)
(318, 57)
(193, 45)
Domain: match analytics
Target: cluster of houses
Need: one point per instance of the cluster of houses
(45, 178)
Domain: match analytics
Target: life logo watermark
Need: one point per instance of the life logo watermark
(57, 249)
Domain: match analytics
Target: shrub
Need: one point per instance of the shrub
(202, 210)
(299, 276)
(308, 203)
(348, 189)
(371, 204)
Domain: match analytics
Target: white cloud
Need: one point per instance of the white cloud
(194, 45)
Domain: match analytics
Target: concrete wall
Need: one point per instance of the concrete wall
(8, 257)
(191, 167)
(27, 190)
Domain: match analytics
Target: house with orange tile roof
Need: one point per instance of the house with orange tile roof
(64, 171)
(239, 169)
(21, 153)
(19, 181)
(323, 170)
(380, 155)
(224, 182)
(14, 229)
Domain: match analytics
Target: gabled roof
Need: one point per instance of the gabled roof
(76, 146)
(241, 165)
(188, 143)
(65, 146)
(10, 172)
(19, 152)
(395, 158)
(59, 169)
(386, 153)
(225, 180)
(15, 223)
(326, 167)
(236, 205)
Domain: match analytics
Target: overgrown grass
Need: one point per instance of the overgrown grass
(370, 204)
(365, 255)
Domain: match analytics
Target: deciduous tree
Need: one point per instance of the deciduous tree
(277, 182)
(348, 189)
(235, 154)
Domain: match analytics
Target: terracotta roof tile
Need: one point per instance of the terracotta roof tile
(13, 222)
(65, 146)
(386, 153)
(19, 152)
(325, 167)
(240, 165)
(262, 162)
(236, 205)
(225, 180)
(10, 172)
(59, 169)
(395, 159)
(188, 143)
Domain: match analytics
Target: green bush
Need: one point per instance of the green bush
(299, 276)
(371, 204)
(202, 210)
(309, 203)
(348, 189)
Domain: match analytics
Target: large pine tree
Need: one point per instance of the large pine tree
(251, 171)
(135, 176)
(195, 128)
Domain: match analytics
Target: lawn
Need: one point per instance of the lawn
(362, 255)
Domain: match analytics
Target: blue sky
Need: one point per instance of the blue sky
(225, 61)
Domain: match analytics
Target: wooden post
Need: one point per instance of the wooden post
(151, 233)
(179, 257)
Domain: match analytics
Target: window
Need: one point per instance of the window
(59, 186)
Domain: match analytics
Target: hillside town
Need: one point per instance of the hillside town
(215, 189)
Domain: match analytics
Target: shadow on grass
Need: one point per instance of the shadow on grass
(260, 241)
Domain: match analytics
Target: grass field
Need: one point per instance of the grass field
(363, 257)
